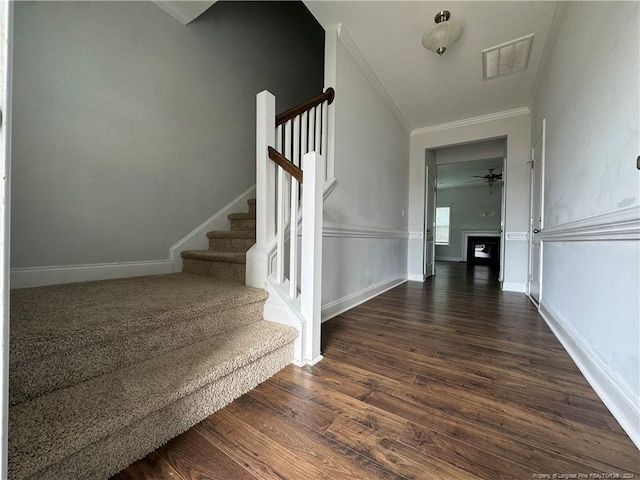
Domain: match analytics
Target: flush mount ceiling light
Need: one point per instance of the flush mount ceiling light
(506, 58)
(443, 34)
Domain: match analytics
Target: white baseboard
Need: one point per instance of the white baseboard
(40, 276)
(341, 305)
(415, 277)
(448, 259)
(197, 238)
(514, 287)
(617, 399)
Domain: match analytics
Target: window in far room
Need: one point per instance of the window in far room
(443, 216)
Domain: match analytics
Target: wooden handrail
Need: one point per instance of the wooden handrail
(329, 94)
(286, 165)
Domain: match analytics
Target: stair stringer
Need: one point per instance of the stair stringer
(279, 309)
(197, 238)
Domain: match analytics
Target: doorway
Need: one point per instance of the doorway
(469, 203)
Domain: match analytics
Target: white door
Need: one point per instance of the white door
(536, 222)
(429, 224)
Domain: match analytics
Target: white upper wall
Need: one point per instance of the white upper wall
(515, 126)
(590, 97)
(130, 130)
(367, 246)
(371, 153)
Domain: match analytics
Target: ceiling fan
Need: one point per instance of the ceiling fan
(490, 178)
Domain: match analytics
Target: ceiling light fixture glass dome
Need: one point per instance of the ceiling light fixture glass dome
(443, 34)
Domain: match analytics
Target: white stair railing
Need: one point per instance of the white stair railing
(291, 147)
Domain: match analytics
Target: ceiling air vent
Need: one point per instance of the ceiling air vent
(507, 58)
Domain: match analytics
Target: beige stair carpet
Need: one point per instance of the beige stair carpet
(125, 365)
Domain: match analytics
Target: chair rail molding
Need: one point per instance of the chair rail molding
(623, 224)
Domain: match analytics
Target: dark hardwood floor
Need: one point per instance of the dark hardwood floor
(450, 379)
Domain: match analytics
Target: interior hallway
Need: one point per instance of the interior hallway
(447, 379)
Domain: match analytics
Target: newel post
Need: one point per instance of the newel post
(265, 168)
(311, 268)
(257, 257)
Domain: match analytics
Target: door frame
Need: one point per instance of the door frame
(6, 33)
(433, 172)
(542, 138)
(503, 216)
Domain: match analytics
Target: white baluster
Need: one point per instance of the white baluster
(280, 230)
(304, 147)
(295, 202)
(288, 138)
(296, 141)
(318, 132)
(325, 129)
(312, 129)
(293, 240)
(279, 138)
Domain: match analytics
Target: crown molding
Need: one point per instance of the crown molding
(361, 61)
(473, 121)
(184, 12)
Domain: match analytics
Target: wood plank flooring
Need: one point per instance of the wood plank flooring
(450, 379)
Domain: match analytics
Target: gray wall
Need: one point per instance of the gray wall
(129, 129)
(466, 204)
(590, 98)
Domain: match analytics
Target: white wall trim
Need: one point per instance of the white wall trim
(472, 121)
(416, 235)
(514, 287)
(329, 186)
(179, 10)
(39, 276)
(415, 277)
(354, 51)
(516, 237)
(355, 231)
(617, 399)
(197, 238)
(621, 224)
(341, 305)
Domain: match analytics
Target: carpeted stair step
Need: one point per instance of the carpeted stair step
(94, 429)
(226, 266)
(242, 221)
(237, 241)
(61, 335)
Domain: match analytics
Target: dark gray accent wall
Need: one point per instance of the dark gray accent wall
(130, 129)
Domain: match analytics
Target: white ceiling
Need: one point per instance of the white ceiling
(430, 90)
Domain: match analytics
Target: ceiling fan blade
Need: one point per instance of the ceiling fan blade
(480, 176)
(473, 181)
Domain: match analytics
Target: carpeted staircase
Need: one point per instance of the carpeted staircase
(102, 373)
(226, 257)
